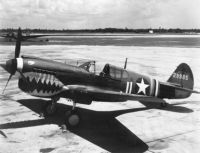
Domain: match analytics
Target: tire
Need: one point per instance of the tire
(72, 119)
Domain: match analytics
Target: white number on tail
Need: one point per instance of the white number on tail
(180, 76)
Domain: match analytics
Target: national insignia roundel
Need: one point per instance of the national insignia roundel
(142, 86)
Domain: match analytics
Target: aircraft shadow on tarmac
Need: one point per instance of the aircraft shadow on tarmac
(99, 127)
(170, 107)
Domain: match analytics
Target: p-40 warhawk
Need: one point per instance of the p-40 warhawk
(50, 79)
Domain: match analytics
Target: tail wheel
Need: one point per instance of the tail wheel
(163, 105)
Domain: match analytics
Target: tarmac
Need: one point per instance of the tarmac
(105, 127)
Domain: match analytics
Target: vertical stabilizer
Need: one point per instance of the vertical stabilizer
(182, 76)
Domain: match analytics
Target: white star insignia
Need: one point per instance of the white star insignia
(142, 87)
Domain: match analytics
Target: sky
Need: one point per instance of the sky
(92, 14)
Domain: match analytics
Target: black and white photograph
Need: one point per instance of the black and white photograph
(99, 76)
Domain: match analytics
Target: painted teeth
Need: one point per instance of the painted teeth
(43, 78)
(43, 93)
(48, 80)
(39, 76)
(31, 78)
(42, 84)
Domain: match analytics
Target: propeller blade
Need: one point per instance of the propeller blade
(3, 66)
(7, 83)
(18, 43)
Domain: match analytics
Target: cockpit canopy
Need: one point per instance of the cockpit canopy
(114, 72)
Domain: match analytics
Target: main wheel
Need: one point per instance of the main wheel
(72, 119)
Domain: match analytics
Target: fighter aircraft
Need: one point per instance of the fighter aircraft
(12, 36)
(51, 79)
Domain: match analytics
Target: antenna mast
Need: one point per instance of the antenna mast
(125, 64)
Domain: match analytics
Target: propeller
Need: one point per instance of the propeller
(7, 83)
(18, 43)
(11, 65)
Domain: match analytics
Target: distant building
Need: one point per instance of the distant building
(150, 31)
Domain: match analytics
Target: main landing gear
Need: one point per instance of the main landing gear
(72, 118)
(50, 108)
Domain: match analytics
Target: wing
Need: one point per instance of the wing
(24, 37)
(33, 36)
(36, 36)
(101, 94)
(8, 36)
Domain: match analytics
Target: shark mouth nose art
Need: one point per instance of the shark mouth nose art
(40, 84)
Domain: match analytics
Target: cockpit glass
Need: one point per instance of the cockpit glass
(114, 72)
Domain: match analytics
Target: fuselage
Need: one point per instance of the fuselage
(47, 78)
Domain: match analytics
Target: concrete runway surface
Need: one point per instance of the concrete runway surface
(106, 127)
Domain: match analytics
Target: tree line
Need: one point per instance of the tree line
(106, 30)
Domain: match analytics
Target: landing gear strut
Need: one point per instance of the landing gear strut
(50, 108)
(72, 118)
